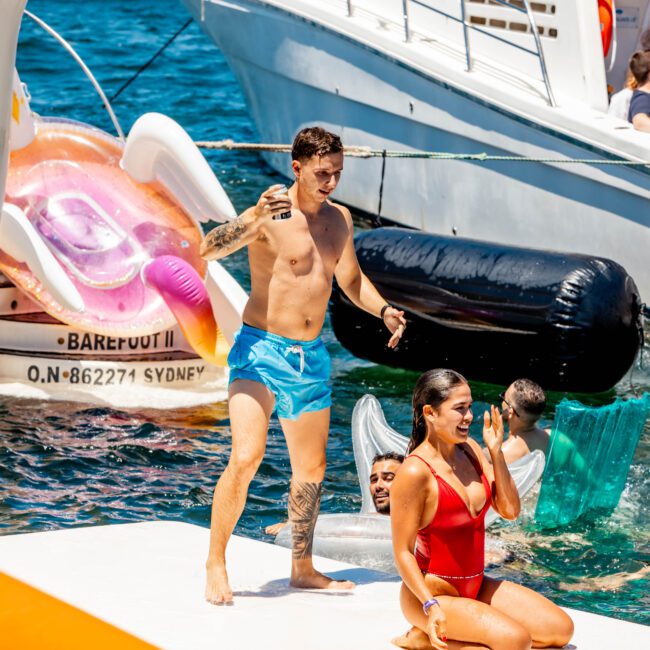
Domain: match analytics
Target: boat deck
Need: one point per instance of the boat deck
(437, 50)
(147, 580)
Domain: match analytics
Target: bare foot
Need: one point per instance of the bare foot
(316, 580)
(414, 639)
(274, 529)
(217, 587)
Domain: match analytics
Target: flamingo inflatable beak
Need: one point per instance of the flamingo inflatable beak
(184, 292)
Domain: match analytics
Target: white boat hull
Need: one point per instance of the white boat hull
(44, 359)
(295, 72)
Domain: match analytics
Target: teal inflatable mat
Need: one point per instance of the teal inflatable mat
(588, 459)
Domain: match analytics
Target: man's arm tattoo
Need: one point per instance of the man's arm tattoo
(304, 504)
(225, 236)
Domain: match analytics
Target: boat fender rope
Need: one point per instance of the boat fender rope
(641, 315)
(367, 152)
(381, 186)
(638, 363)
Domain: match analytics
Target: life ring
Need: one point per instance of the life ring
(606, 19)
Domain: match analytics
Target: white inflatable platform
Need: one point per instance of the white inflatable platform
(147, 579)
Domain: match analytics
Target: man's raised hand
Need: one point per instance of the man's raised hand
(271, 204)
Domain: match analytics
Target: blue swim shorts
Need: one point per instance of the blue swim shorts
(296, 372)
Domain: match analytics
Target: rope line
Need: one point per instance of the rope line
(367, 152)
(142, 68)
(381, 184)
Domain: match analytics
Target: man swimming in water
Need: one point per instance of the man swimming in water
(382, 474)
(522, 405)
(383, 470)
(278, 359)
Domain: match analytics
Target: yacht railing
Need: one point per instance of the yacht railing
(526, 9)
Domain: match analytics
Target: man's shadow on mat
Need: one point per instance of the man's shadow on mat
(281, 587)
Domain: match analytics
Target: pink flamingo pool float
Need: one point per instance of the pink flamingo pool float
(105, 236)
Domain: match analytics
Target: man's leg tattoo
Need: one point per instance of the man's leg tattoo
(304, 504)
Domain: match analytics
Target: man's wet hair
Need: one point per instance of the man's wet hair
(391, 455)
(529, 397)
(315, 141)
(640, 66)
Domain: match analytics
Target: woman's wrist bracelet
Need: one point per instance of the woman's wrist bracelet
(428, 604)
(383, 310)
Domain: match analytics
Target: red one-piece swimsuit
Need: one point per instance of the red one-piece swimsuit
(452, 545)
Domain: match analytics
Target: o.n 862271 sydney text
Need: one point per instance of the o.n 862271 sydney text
(163, 374)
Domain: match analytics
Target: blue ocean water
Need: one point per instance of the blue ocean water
(63, 464)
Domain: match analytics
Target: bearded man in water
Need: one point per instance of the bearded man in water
(278, 359)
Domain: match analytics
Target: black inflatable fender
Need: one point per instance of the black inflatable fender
(494, 313)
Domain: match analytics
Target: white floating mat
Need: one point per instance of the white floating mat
(148, 580)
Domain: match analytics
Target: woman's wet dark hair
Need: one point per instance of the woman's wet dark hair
(433, 388)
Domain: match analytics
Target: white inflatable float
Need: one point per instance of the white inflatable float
(103, 288)
(102, 587)
(364, 538)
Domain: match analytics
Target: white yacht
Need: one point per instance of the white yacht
(505, 77)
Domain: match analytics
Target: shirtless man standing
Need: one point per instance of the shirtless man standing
(278, 358)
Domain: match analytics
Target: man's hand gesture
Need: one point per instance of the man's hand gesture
(396, 324)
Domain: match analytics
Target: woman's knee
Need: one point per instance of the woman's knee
(513, 637)
(560, 630)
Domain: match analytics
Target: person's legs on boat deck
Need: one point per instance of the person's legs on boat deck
(307, 441)
(250, 405)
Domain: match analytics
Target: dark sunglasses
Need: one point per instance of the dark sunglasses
(502, 397)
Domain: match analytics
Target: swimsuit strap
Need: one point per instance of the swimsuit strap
(472, 459)
(433, 471)
(475, 464)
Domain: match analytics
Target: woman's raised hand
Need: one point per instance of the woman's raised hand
(493, 429)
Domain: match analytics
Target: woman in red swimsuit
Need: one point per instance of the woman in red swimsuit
(439, 500)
